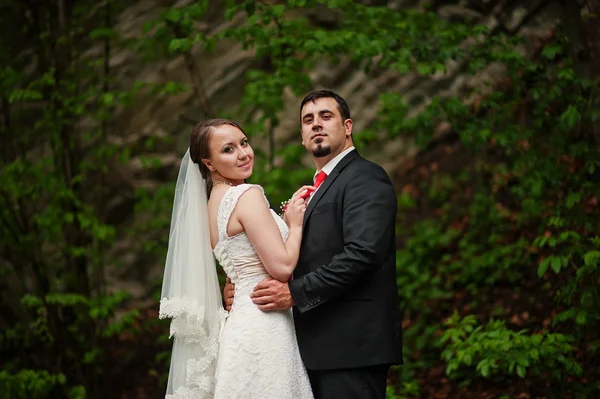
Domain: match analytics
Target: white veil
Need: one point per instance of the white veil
(190, 293)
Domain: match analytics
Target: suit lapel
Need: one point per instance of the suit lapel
(328, 182)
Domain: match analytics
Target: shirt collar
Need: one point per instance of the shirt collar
(329, 166)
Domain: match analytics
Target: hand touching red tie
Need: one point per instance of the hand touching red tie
(319, 178)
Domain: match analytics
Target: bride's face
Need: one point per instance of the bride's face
(231, 156)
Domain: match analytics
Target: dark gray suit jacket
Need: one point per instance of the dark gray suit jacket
(344, 285)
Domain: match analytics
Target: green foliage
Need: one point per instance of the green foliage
(176, 31)
(29, 384)
(56, 101)
(498, 267)
(494, 350)
(522, 207)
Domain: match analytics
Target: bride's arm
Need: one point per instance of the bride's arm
(278, 257)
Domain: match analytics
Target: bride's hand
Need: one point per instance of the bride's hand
(303, 192)
(295, 211)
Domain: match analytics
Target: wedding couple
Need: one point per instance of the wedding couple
(331, 259)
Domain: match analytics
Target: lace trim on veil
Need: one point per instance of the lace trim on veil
(188, 320)
(189, 327)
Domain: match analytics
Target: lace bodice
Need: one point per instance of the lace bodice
(258, 351)
(235, 253)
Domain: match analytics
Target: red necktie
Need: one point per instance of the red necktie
(320, 178)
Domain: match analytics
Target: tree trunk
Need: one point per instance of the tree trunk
(580, 22)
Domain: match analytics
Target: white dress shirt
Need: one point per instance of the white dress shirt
(329, 166)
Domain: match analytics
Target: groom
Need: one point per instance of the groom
(344, 290)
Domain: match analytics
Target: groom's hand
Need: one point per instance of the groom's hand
(271, 294)
(228, 292)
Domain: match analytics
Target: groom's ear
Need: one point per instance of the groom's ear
(348, 127)
(208, 164)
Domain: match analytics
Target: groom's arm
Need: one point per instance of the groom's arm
(369, 216)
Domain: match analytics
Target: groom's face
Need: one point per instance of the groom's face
(324, 133)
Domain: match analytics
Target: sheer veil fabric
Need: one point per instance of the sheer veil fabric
(191, 295)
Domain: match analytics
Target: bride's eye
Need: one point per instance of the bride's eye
(245, 142)
(228, 150)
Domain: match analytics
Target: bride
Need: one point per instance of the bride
(246, 353)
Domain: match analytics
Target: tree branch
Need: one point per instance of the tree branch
(185, 119)
(105, 88)
(8, 226)
(194, 72)
(197, 82)
(534, 12)
(6, 131)
(575, 29)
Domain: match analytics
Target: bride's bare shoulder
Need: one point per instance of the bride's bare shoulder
(253, 196)
(251, 207)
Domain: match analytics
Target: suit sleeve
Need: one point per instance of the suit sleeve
(369, 216)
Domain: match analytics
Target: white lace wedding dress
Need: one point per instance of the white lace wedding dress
(258, 352)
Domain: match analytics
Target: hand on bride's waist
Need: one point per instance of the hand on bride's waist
(271, 294)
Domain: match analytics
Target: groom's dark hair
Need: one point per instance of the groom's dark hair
(315, 95)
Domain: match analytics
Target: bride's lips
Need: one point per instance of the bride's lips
(246, 165)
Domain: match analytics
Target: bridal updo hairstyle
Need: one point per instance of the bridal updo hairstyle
(200, 145)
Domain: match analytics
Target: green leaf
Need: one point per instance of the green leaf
(567, 74)
(557, 263)
(570, 117)
(485, 369)
(551, 50)
(572, 199)
(173, 15)
(77, 392)
(180, 45)
(591, 258)
(107, 99)
(424, 69)
(102, 33)
(24, 96)
(543, 267)
(91, 356)
(278, 10)
(581, 317)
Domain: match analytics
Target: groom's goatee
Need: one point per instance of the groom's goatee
(321, 151)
